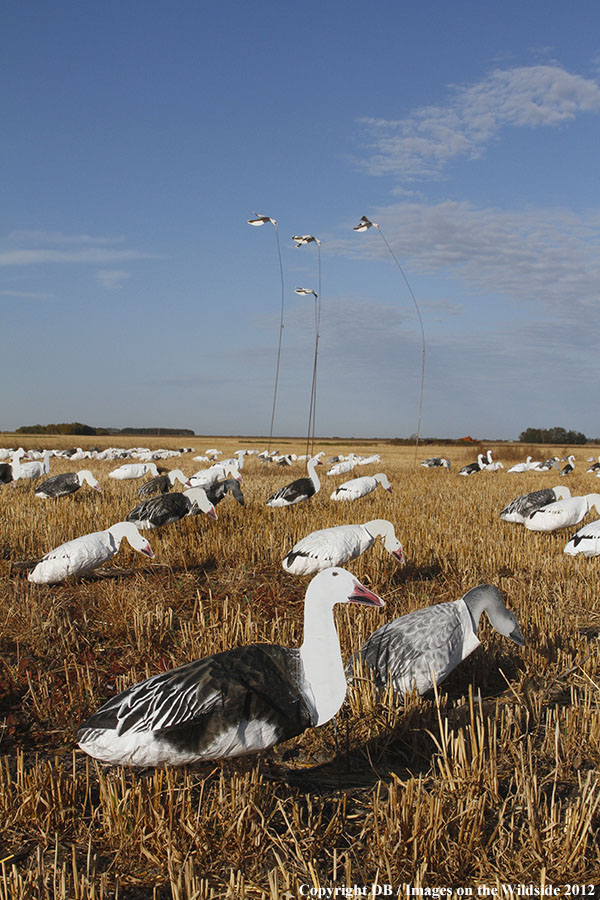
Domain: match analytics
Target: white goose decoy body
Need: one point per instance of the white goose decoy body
(474, 467)
(29, 470)
(236, 702)
(586, 542)
(523, 467)
(67, 483)
(87, 552)
(336, 546)
(522, 507)
(562, 513)
(168, 508)
(427, 644)
(134, 470)
(360, 487)
(298, 490)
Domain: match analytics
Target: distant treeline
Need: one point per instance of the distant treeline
(80, 428)
(552, 436)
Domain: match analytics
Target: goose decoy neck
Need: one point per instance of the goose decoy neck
(487, 597)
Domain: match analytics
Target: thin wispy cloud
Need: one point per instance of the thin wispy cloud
(27, 295)
(89, 255)
(111, 279)
(423, 143)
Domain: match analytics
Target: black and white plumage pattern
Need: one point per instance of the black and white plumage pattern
(360, 487)
(218, 490)
(161, 484)
(168, 508)
(336, 546)
(298, 490)
(435, 462)
(566, 470)
(235, 702)
(473, 468)
(426, 645)
(521, 508)
(586, 542)
(65, 484)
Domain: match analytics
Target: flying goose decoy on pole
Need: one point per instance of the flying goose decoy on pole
(233, 703)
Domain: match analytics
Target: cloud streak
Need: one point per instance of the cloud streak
(429, 138)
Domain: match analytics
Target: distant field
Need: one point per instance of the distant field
(495, 780)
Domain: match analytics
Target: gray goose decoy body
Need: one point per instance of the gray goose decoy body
(67, 483)
(429, 643)
(233, 703)
(435, 462)
(521, 508)
(161, 484)
(5, 473)
(218, 490)
(168, 508)
(298, 490)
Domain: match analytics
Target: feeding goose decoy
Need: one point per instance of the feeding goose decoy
(435, 462)
(233, 703)
(168, 508)
(336, 546)
(87, 552)
(162, 484)
(346, 465)
(298, 490)
(586, 542)
(360, 487)
(519, 509)
(134, 470)
(562, 513)
(427, 644)
(67, 483)
(30, 470)
(218, 490)
(218, 472)
(547, 465)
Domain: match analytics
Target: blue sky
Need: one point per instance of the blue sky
(138, 138)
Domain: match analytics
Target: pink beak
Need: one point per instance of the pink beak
(212, 513)
(364, 596)
(399, 554)
(148, 551)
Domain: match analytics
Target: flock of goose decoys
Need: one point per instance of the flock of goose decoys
(250, 698)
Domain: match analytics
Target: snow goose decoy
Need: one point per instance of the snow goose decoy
(566, 470)
(547, 465)
(346, 465)
(518, 510)
(168, 508)
(435, 462)
(473, 468)
(360, 487)
(87, 552)
(219, 472)
(336, 546)
(562, 513)
(586, 542)
(29, 470)
(300, 489)
(233, 703)
(67, 483)
(161, 484)
(426, 645)
(134, 470)
(523, 467)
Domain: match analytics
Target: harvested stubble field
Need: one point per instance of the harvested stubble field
(493, 780)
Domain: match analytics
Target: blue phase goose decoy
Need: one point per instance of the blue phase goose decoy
(218, 490)
(6, 475)
(562, 513)
(519, 509)
(86, 553)
(298, 490)
(162, 484)
(360, 487)
(429, 643)
(67, 483)
(595, 467)
(586, 542)
(474, 467)
(233, 703)
(566, 470)
(435, 462)
(168, 508)
(335, 546)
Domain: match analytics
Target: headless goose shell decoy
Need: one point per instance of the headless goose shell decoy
(134, 470)
(427, 644)
(233, 703)
(586, 542)
(336, 546)
(435, 462)
(162, 484)
(87, 552)
(562, 513)
(360, 487)
(519, 509)
(298, 490)
(67, 483)
(168, 508)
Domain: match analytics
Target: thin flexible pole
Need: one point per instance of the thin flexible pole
(280, 339)
(414, 300)
(318, 333)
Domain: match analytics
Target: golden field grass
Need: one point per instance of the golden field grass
(494, 780)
